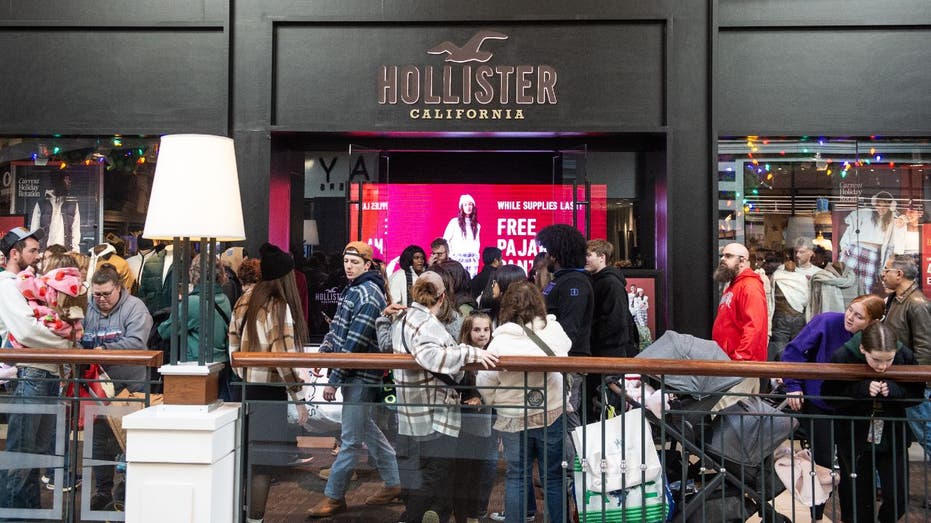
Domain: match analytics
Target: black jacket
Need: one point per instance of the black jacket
(480, 281)
(901, 396)
(571, 299)
(611, 320)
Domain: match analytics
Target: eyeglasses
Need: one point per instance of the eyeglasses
(106, 294)
(729, 255)
(887, 269)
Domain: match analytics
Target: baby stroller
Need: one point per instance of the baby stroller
(720, 466)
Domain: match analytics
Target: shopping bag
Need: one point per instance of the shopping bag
(323, 417)
(628, 455)
(91, 389)
(647, 503)
(795, 472)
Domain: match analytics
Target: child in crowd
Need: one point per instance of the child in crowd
(57, 297)
(875, 437)
(477, 455)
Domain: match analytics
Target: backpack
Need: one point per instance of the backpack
(633, 336)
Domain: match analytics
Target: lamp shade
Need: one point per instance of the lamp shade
(195, 193)
(311, 236)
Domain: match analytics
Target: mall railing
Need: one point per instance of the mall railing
(719, 467)
(675, 454)
(58, 466)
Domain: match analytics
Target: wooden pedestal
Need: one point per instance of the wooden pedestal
(191, 385)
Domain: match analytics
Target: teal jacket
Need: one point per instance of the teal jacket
(220, 324)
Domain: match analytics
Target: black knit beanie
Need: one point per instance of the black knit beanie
(275, 262)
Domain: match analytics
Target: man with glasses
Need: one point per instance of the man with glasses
(741, 325)
(439, 251)
(908, 314)
(115, 320)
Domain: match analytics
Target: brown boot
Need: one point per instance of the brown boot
(327, 508)
(383, 496)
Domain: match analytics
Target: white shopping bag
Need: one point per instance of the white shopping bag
(323, 417)
(629, 455)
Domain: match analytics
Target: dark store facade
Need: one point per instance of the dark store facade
(624, 103)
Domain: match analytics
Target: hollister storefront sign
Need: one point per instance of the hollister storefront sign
(520, 77)
(469, 84)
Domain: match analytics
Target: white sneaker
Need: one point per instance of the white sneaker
(499, 516)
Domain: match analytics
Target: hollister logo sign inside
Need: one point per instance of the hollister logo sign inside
(467, 86)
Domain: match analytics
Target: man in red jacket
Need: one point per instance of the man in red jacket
(741, 325)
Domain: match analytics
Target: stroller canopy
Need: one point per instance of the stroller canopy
(673, 345)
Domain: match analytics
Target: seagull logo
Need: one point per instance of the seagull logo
(470, 51)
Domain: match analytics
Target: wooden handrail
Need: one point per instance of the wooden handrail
(654, 367)
(147, 358)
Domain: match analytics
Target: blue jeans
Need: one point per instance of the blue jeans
(545, 445)
(358, 428)
(28, 434)
(919, 419)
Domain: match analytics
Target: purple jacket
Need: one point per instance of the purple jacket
(815, 344)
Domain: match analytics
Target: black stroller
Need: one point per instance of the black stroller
(719, 467)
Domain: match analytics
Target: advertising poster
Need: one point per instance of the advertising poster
(641, 297)
(470, 217)
(65, 202)
(873, 222)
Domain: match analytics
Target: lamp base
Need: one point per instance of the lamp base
(191, 384)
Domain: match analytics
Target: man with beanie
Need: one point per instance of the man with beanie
(353, 330)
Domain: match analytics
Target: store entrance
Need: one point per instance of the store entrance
(393, 192)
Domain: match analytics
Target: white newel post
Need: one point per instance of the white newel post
(182, 464)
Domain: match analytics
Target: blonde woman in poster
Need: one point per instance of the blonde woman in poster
(462, 234)
(868, 239)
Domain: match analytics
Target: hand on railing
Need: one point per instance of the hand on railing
(487, 359)
(795, 399)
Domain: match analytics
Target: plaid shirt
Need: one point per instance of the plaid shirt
(270, 339)
(426, 404)
(353, 326)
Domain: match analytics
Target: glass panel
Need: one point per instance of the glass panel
(857, 201)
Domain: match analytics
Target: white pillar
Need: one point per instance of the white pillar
(182, 464)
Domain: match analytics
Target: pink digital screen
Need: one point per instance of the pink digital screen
(505, 216)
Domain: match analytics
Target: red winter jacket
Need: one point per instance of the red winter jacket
(741, 327)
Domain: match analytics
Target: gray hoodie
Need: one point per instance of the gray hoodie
(125, 327)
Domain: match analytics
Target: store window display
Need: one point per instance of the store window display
(78, 188)
(858, 200)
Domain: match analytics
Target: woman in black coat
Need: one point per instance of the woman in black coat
(876, 439)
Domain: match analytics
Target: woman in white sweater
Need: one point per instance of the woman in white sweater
(529, 405)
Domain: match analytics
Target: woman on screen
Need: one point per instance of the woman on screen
(462, 234)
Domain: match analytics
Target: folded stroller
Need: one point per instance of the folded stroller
(723, 463)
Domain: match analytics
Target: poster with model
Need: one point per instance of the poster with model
(641, 294)
(875, 218)
(469, 217)
(64, 200)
